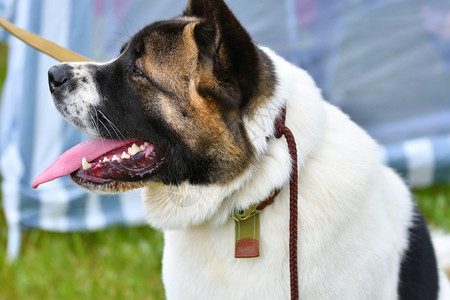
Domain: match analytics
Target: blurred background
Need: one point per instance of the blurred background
(384, 62)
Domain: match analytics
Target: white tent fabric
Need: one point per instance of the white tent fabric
(384, 62)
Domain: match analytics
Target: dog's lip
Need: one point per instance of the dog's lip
(71, 160)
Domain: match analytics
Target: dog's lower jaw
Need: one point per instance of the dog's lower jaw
(114, 187)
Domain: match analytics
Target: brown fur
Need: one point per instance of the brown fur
(174, 62)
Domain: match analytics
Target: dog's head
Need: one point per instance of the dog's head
(179, 90)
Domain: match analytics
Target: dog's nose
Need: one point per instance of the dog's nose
(57, 76)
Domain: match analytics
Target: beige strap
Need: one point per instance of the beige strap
(246, 232)
(41, 44)
(247, 228)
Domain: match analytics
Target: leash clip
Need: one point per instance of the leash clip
(245, 214)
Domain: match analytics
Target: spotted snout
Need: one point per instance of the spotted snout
(75, 93)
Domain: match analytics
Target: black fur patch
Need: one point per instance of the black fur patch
(418, 274)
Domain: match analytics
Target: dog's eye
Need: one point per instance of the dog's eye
(135, 71)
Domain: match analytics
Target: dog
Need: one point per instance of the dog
(187, 112)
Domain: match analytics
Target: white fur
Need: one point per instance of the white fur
(79, 105)
(354, 213)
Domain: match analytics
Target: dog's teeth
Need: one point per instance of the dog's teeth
(131, 151)
(142, 147)
(125, 155)
(134, 149)
(105, 159)
(85, 164)
(115, 158)
(146, 144)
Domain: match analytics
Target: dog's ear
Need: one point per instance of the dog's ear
(226, 44)
(196, 8)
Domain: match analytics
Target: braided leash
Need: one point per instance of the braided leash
(280, 130)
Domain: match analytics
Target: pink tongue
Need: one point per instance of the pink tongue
(70, 160)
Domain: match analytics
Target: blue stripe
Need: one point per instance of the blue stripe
(112, 209)
(80, 28)
(76, 212)
(80, 39)
(29, 206)
(396, 158)
(441, 147)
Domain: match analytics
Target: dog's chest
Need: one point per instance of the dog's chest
(200, 264)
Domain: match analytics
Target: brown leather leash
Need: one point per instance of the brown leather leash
(280, 130)
(41, 44)
(66, 55)
(247, 221)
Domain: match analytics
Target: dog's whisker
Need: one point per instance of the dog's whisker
(96, 114)
(93, 123)
(107, 130)
(116, 130)
(96, 120)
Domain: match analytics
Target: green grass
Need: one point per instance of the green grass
(3, 63)
(119, 263)
(434, 203)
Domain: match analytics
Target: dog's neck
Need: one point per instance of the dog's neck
(273, 167)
